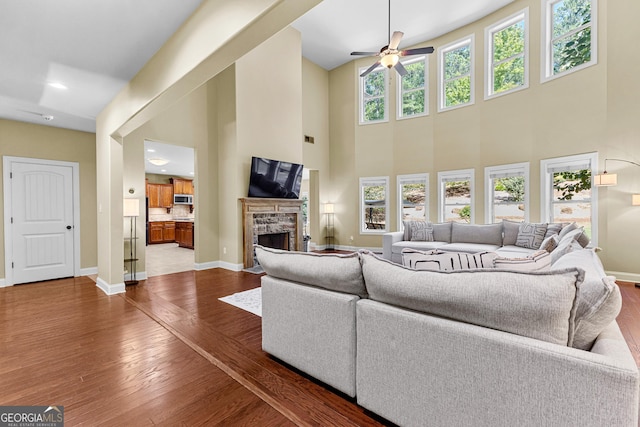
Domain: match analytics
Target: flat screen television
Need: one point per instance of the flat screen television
(274, 179)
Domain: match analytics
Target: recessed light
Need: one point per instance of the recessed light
(57, 85)
(191, 173)
(150, 150)
(163, 170)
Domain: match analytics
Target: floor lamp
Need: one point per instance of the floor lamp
(328, 210)
(131, 209)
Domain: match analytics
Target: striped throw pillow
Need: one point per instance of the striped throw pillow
(446, 261)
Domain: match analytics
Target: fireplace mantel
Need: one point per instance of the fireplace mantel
(252, 206)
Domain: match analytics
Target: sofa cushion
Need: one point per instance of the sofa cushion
(531, 235)
(418, 231)
(398, 247)
(490, 234)
(442, 232)
(469, 248)
(510, 230)
(341, 273)
(537, 261)
(598, 300)
(446, 261)
(537, 305)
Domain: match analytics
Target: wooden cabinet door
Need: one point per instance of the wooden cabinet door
(166, 195)
(169, 231)
(156, 229)
(188, 236)
(182, 186)
(188, 186)
(179, 232)
(154, 196)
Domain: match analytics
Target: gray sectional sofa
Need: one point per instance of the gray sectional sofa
(483, 347)
(501, 238)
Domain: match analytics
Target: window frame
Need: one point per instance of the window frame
(408, 179)
(370, 182)
(456, 175)
(546, 187)
(546, 39)
(361, 96)
(442, 51)
(400, 91)
(513, 169)
(489, 90)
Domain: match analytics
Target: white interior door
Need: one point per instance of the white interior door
(42, 223)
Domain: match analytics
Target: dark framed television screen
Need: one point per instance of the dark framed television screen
(275, 179)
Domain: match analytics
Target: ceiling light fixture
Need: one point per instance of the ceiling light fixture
(47, 118)
(57, 85)
(158, 161)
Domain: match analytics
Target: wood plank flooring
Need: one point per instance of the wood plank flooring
(168, 352)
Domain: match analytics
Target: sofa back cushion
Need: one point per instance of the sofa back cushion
(535, 305)
(510, 230)
(341, 273)
(442, 232)
(472, 233)
(598, 300)
(446, 261)
(531, 235)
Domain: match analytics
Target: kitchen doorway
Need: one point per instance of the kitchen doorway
(170, 213)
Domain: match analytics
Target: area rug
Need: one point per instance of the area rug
(250, 300)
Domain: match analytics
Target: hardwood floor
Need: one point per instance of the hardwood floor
(167, 352)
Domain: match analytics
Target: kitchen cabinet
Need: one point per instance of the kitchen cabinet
(182, 186)
(184, 234)
(160, 195)
(162, 232)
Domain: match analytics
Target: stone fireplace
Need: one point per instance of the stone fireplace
(264, 219)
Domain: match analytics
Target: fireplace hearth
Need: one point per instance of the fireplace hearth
(268, 217)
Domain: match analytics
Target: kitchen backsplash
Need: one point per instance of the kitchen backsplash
(176, 212)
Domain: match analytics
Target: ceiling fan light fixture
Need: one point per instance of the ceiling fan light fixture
(390, 60)
(158, 161)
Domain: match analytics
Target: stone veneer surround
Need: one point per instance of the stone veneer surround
(267, 216)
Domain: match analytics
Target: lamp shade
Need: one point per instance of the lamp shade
(131, 207)
(635, 200)
(605, 179)
(389, 60)
(328, 208)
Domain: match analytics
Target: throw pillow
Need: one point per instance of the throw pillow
(341, 273)
(568, 243)
(537, 261)
(531, 235)
(418, 231)
(554, 228)
(446, 261)
(550, 243)
(567, 229)
(502, 300)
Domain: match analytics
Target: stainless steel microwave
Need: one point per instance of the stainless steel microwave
(182, 199)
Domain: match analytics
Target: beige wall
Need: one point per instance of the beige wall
(591, 110)
(315, 157)
(44, 142)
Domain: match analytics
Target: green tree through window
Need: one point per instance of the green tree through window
(571, 34)
(374, 96)
(457, 75)
(508, 57)
(413, 89)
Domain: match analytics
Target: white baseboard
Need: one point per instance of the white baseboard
(140, 275)
(624, 276)
(3, 283)
(108, 289)
(206, 265)
(88, 271)
(229, 266)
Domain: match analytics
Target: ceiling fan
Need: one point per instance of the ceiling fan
(390, 55)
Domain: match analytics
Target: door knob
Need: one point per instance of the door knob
(68, 227)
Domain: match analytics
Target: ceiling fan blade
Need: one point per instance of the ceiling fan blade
(400, 68)
(366, 53)
(370, 69)
(417, 51)
(395, 40)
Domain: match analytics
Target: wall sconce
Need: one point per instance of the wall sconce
(605, 179)
(635, 200)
